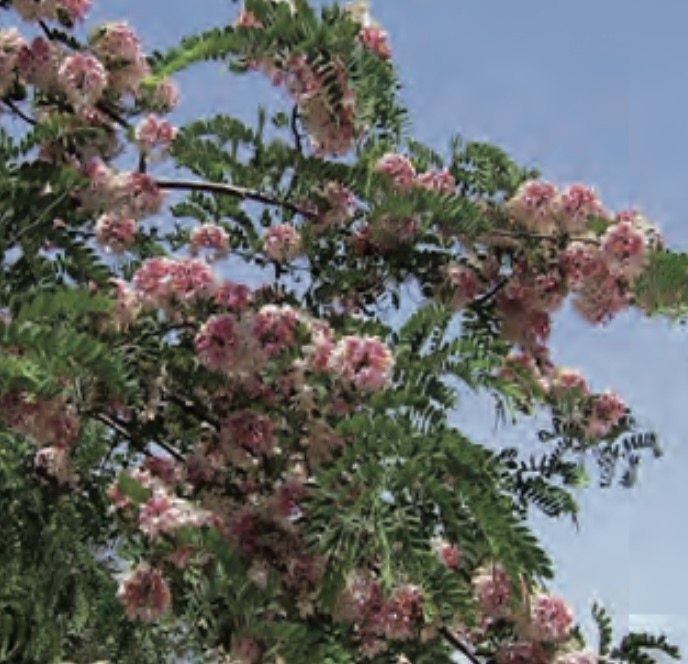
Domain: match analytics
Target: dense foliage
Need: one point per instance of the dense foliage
(193, 466)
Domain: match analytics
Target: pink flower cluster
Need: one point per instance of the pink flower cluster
(447, 553)
(226, 344)
(12, 44)
(48, 10)
(246, 435)
(160, 282)
(365, 362)
(115, 233)
(125, 197)
(209, 236)
(163, 513)
(233, 296)
(154, 136)
(371, 35)
(275, 328)
(339, 207)
(144, 594)
(492, 591)
(402, 174)
(378, 618)
(550, 619)
(600, 273)
(596, 414)
(119, 49)
(578, 657)
(375, 39)
(282, 243)
(49, 422)
(83, 78)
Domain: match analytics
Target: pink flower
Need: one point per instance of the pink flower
(152, 133)
(119, 48)
(578, 657)
(442, 182)
(76, 9)
(114, 233)
(12, 46)
(492, 590)
(581, 262)
(565, 382)
(37, 63)
(533, 204)
(151, 282)
(398, 168)
(607, 411)
(521, 653)
(209, 236)
(365, 362)
(83, 80)
(375, 40)
(145, 594)
(624, 246)
(465, 280)
(141, 196)
(36, 10)
(222, 344)
(233, 296)
(275, 328)
(520, 368)
(282, 243)
(575, 204)
(250, 431)
(340, 206)
(550, 619)
(190, 281)
(248, 20)
(50, 422)
(447, 553)
(162, 513)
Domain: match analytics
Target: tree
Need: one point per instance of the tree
(195, 467)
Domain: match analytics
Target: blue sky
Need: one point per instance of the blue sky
(585, 91)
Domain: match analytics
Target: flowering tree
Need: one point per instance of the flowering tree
(196, 466)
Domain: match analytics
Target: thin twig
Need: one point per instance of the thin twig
(112, 114)
(40, 218)
(459, 645)
(236, 192)
(479, 301)
(295, 129)
(539, 236)
(194, 409)
(121, 429)
(18, 111)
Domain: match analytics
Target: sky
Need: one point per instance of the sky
(586, 91)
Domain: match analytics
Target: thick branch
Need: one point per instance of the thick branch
(236, 192)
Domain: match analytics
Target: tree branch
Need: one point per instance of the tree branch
(459, 645)
(236, 192)
(539, 236)
(193, 409)
(122, 430)
(18, 112)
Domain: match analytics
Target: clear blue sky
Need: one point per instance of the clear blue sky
(585, 91)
